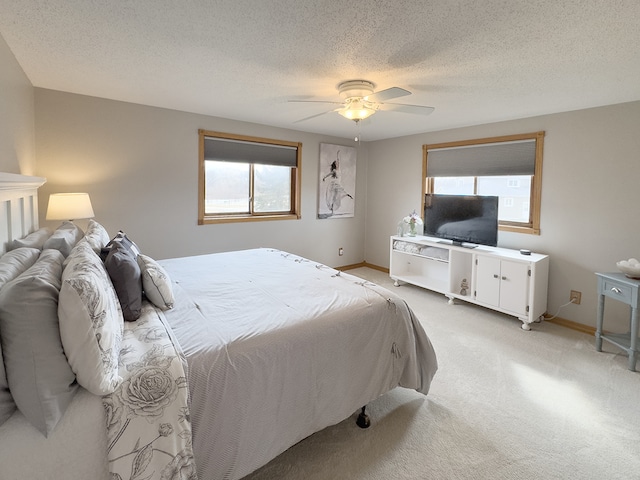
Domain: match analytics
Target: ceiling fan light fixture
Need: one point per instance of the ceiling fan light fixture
(360, 101)
(357, 109)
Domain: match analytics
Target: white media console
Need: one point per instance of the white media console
(498, 278)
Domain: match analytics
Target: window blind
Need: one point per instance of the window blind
(239, 151)
(492, 159)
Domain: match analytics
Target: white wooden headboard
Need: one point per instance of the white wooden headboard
(18, 206)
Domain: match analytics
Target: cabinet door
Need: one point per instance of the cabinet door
(487, 286)
(514, 286)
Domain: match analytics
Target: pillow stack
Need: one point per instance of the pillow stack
(12, 264)
(64, 296)
(35, 376)
(40, 379)
(135, 276)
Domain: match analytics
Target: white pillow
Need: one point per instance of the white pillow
(156, 283)
(96, 235)
(64, 238)
(91, 322)
(15, 262)
(34, 240)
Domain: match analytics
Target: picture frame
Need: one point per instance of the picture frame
(336, 181)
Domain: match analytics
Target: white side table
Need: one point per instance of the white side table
(624, 289)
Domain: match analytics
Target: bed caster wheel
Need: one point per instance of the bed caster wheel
(526, 326)
(363, 419)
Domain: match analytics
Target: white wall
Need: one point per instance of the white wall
(17, 147)
(590, 198)
(140, 166)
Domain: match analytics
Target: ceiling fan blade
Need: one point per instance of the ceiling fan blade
(404, 108)
(315, 101)
(388, 94)
(317, 115)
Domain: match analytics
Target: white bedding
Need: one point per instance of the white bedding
(76, 449)
(261, 377)
(148, 435)
(304, 347)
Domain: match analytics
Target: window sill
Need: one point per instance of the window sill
(246, 218)
(519, 229)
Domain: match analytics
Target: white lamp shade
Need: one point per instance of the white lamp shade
(69, 206)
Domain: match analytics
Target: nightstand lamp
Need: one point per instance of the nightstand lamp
(69, 206)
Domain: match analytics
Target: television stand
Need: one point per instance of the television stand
(497, 278)
(458, 244)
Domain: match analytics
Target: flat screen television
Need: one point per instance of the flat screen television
(462, 219)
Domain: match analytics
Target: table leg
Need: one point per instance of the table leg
(633, 350)
(599, 321)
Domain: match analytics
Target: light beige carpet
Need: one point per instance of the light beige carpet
(505, 404)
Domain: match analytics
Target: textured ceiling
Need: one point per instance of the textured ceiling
(474, 61)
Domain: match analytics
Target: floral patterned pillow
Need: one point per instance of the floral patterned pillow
(91, 322)
(156, 283)
(96, 235)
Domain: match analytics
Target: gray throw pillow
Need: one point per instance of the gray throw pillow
(124, 271)
(64, 238)
(7, 405)
(40, 379)
(121, 239)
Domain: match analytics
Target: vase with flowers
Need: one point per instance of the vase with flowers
(413, 221)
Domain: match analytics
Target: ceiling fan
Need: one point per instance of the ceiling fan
(360, 101)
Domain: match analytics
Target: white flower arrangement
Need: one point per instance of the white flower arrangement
(413, 219)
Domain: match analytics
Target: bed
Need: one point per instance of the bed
(262, 348)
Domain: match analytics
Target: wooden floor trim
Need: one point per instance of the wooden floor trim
(580, 327)
(363, 264)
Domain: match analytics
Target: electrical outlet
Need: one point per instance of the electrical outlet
(340, 251)
(575, 297)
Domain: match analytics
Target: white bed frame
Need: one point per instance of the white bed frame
(18, 206)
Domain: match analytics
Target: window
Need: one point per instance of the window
(247, 178)
(509, 167)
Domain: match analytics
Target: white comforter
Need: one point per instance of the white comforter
(280, 347)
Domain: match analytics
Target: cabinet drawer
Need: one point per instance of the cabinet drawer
(617, 290)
